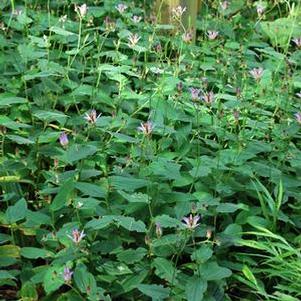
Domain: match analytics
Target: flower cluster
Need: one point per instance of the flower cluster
(146, 128)
(121, 7)
(208, 97)
(136, 19)
(92, 117)
(64, 141)
(178, 11)
(133, 40)
(77, 236)
(81, 10)
(187, 36)
(260, 10)
(257, 73)
(212, 34)
(67, 275)
(195, 93)
(224, 5)
(298, 117)
(297, 42)
(191, 222)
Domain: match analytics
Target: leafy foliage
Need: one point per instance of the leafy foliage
(113, 129)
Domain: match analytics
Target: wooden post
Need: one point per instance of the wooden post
(163, 9)
(190, 16)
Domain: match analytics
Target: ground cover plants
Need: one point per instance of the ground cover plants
(141, 162)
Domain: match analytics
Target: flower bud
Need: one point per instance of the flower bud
(158, 230)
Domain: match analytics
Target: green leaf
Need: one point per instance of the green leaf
(166, 169)
(85, 281)
(10, 124)
(6, 275)
(131, 282)
(34, 253)
(11, 251)
(7, 100)
(165, 269)
(62, 198)
(249, 275)
(53, 279)
(36, 218)
(49, 116)
(168, 222)
(201, 171)
(195, 289)
(92, 190)
(130, 224)
(4, 238)
(100, 223)
(125, 138)
(23, 19)
(156, 292)
(78, 152)
(19, 139)
(127, 183)
(130, 256)
(229, 207)
(29, 53)
(135, 197)
(167, 240)
(116, 268)
(29, 292)
(211, 271)
(280, 30)
(62, 32)
(202, 254)
(16, 212)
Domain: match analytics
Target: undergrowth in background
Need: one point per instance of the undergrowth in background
(136, 165)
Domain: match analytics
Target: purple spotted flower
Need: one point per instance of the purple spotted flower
(133, 39)
(17, 12)
(257, 73)
(92, 116)
(224, 5)
(67, 275)
(136, 19)
(187, 37)
(146, 128)
(121, 7)
(297, 41)
(260, 10)
(77, 236)
(63, 19)
(81, 10)
(195, 93)
(191, 222)
(178, 11)
(212, 34)
(208, 97)
(64, 141)
(298, 117)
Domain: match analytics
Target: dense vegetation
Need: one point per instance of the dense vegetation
(139, 164)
